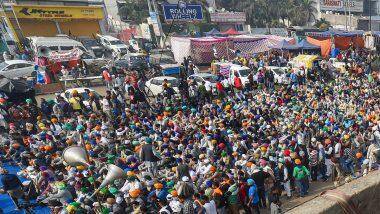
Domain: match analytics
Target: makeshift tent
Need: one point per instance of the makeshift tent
(284, 45)
(341, 39)
(336, 33)
(202, 49)
(16, 90)
(231, 32)
(305, 45)
(246, 45)
(213, 32)
(180, 47)
(324, 43)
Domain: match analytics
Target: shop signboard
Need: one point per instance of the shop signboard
(57, 12)
(342, 5)
(153, 17)
(225, 17)
(182, 12)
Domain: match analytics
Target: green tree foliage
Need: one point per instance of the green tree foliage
(134, 10)
(322, 24)
(268, 13)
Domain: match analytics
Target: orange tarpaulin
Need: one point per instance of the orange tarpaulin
(324, 43)
(343, 43)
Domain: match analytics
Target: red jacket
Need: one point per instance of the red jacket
(219, 86)
(237, 83)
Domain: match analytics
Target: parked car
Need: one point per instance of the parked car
(280, 74)
(94, 64)
(93, 47)
(229, 70)
(161, 56)
(82, 92)
(132, 61)
(17, 68)
(43, 45)
(113, 44)
(154, 86)
(204, 77)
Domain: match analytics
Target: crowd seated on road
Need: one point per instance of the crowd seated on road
(224, 150)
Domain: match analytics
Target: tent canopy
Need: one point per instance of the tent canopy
(231, 32)
(213, 32)
(338, 33)
(284, 45)
(305, 45)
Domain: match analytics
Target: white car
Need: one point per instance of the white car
(17, 68)
(155, 87)
(280, 74)
(81, 91)
(204, 77)
(113, 44)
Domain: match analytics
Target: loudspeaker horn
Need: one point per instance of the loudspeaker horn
(114, 173)
(75, 156)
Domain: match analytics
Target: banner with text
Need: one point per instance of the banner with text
(183, 12)
(342, 5)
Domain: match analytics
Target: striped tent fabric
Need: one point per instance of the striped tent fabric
(180, 47)
(202, 49)
(246, 45)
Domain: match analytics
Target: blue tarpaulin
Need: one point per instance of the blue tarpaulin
(213, 32)
(6, 203)
(171, 71)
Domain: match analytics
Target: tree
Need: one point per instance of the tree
(322, 24)
(134, 10)
(303, 12)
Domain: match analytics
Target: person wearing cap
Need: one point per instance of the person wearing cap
(253, 201)
(148, 155)
(300, 174)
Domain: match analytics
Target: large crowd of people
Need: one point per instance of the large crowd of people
(227, 149)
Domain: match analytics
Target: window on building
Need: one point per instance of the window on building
(239, 27)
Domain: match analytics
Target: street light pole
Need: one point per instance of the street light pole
(158, 21)
(370, 16)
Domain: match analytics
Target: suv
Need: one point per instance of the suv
(113, 44)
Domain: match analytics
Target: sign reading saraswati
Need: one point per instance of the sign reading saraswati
(55, 12)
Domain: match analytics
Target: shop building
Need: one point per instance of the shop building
(49, 18)
(227, 20)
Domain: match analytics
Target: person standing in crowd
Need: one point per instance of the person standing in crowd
(148, 156)
(76, 102)
(300, 174)
(253, 195)
(107, 78)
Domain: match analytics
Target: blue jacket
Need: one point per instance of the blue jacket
(252, 192)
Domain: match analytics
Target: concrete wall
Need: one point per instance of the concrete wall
(340, 20)
(364, 192)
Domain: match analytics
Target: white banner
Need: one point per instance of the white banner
(342, 5)
(63, 56)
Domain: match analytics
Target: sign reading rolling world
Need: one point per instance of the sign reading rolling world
(183, 12)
